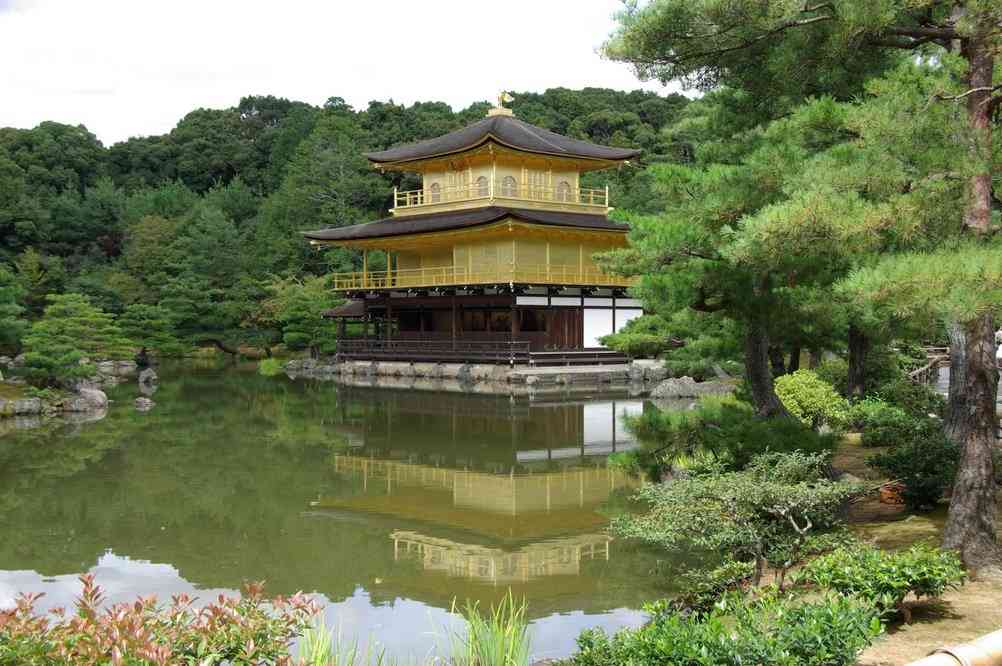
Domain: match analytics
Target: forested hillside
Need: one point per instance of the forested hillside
(195, 233)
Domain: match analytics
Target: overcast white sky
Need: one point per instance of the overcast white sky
(135, 67)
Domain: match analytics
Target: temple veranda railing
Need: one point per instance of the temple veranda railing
(485, 190)
(458, 276)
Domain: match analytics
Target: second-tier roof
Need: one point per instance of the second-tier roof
(506, 131)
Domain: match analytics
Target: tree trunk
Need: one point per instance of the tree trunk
(757, 372)
(955, 422)
(970, 524)
(776, 361)
(859, 347)
(815, 359)
(981, 68)
(794, 363)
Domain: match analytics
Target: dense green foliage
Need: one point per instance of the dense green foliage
(878, 420)
(71, 334)
(885, 578)
(812, 400)
(924, 459)
(204, 221)
(831, 631)
(725, 431)
(764, 513)
(12, 326)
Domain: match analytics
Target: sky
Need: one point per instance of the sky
(135, 67)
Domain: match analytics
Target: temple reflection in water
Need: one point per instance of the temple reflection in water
(486, 489)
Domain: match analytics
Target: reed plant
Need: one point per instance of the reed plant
(320, 646)
(497, 638)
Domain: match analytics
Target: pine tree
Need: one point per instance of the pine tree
(70, 335)
(151, 328)
(12, 327)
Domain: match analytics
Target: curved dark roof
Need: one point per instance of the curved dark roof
(417, 224)
(347, 310)
(505, 130)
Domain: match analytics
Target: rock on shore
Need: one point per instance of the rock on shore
(687, 387)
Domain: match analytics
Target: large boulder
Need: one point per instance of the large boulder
(648, 370)
(148, 377)
(20, 407)
(87, 400)
(687, 387)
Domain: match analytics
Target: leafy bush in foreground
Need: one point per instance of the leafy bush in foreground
(781, 632)
(812, 400)
(924, 459)
(765, 513)
(236, 630)
(872, 413)
(883, 578)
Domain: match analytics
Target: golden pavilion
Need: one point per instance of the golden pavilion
(491, 259)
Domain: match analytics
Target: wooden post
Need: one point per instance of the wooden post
(365, 269)
(454, 322)
(389, 318)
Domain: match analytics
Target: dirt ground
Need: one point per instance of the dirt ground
(959, 616)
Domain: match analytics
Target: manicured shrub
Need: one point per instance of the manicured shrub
(884, 579)
(722, 428)
(703, 589)
(834, 371)
(873, 412)
(916, 399)
(637, 345)
(765, 513)
(924, 459)
(234, 630)
(812, 400)
(71, 330)
(828, 632)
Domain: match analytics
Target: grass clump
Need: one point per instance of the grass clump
(269, 367)
(320, 646)
(497, 638)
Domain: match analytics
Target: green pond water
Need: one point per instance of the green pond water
(384, 504)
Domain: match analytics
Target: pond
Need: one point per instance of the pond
(384, 504)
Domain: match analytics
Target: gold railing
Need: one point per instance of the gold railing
(459, 276)
(499, 189)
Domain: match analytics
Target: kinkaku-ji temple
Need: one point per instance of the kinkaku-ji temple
(491, 260)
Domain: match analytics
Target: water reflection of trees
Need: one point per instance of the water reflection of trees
(217, 481)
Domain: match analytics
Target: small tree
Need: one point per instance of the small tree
(70, 330)
(151, 328)
(765, 513)
(12, 327)
(296, 307)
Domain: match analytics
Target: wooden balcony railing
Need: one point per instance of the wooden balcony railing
(461, 276)
(487, 190)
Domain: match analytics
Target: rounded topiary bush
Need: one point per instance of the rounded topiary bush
(812, 400)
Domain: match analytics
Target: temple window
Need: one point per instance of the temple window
(436, 192)
(509, 187)
(483, 187)
(564, 191)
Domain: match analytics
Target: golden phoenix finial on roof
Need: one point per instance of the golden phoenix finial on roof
(504, 96)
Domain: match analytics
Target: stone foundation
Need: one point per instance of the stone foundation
(637, 377)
